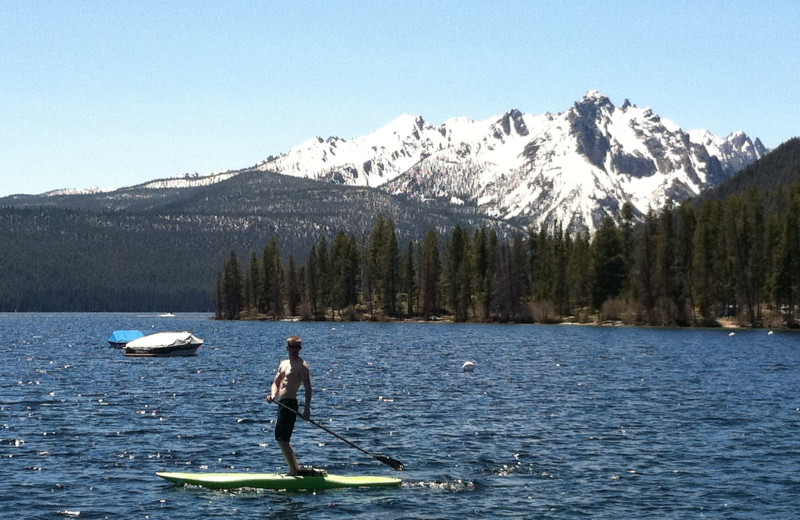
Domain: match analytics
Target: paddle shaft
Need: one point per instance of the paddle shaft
(394, 463)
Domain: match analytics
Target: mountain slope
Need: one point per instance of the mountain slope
(771, 174)
(145, 249)
(575, 168)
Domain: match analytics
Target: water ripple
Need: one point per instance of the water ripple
(555, 422)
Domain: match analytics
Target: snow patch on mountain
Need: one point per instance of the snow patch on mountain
(78, 191)
(188, 180)
(574, 168)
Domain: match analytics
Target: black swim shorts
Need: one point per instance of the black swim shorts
(286, 419)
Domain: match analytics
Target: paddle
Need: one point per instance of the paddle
(394, 463)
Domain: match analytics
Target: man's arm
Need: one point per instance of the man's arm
(307, 386)
(276, 385)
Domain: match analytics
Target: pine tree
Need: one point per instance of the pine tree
(758, 255)
(345, 268)
(481, 278)
(430, 272)
(272, 273)
(391, 269)
(353, 271)
(366, 276)
(609, 264)
(510, 280)
(739, 230)
(646, 261)
(491, 271)
(579, 269)
(787, 274)
(324, 278)
(724, 285)
(667, 288)
(457, 274)
(377, 261)
(501, 298)
(219, 299)
(253, 283)
(232, 287)
(293, 287)
(485, 254)
(408, 284)
(626, 225)
(520, 278)
(560, 292)
(772, 248)
(540, 246)
(704, 246)
(304, 304)
(315, 308)
(684, 255)
(338, 272)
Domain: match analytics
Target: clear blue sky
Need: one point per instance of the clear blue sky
(115, 93)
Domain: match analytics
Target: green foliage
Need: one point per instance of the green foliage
(429, 274)
(609, 263)
(344, 276)
(457, 273)
(679, 267)
(736, 256)
(143, 249)
(230, 288)
(56, 260)
(293, 287)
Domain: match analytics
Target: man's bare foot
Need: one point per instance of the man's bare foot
(309, 471)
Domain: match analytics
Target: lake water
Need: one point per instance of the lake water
(555, 422)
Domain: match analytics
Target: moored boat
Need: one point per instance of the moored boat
(120, 338)
(164, 344)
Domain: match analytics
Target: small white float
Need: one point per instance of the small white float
(468, 366)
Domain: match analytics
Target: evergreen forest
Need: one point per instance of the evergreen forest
(688, 265)
(260, 245)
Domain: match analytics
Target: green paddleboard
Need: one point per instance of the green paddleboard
(276, 481)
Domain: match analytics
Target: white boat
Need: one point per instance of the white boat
(164, 344)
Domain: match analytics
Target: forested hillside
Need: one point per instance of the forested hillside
(142, 249)
(730, 257)
(772, 175)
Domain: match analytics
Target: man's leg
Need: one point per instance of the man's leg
(289, 455)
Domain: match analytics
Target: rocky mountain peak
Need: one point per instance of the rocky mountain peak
(574, 168)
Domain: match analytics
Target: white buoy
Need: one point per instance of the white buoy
(732, 334)
(468, 366)
(769, 333)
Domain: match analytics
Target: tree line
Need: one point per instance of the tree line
(684, 265)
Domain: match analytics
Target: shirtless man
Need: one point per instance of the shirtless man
(291, 373)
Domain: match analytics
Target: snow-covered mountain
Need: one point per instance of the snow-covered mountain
(574, 168)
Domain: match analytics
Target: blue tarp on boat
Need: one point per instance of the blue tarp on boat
(122, 337)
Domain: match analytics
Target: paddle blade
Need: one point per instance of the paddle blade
(394, 463)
